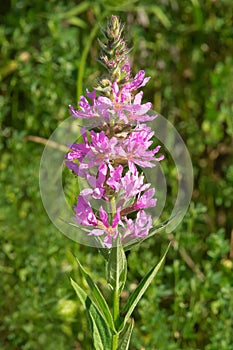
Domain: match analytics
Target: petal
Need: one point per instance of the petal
(133, 169)
(86, 192)
(145, 81)
(101, 175)
(84, 213)
(138, 98)
(158, 159)
(96, 232)
(91, 95)
(115, 88)
(103, 216)
(105, 100)
(137, 81)
(84, 104)
(73, 166)
(98, 193)
(108, 241)
(74, 113)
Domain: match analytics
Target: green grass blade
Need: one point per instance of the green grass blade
(77, 22)
(77, 10)
(160, 14)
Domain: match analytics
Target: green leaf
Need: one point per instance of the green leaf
(8, 68)
(141, 288)
(125, 339)
(104, 252)
(77, 22)
(117, 269)
(100, 331)
(99, 298)
(161, 16)
(121, 5)
(198, 15)
(76, 10)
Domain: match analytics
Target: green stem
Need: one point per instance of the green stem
(83, 59)
(113, 207)
(115, 339)
(116, 304)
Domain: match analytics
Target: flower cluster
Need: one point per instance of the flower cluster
(113, 153)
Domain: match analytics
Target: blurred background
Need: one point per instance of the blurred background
(48, 58)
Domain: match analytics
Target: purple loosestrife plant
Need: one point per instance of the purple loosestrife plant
(116, 147)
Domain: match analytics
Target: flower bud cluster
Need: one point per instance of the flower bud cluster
(113, 154)
(114, 57)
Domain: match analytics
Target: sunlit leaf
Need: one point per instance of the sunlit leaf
(99, 298)
(117, 268)
(126, 336)
(100, 331)
(76, 10)
(77, 22)
(141, 288)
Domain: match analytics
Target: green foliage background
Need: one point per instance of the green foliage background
(48, 56)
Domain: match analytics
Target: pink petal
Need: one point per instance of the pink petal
(108, 241)
(117, 218)
(103, 216)
(138, 98)
(96, 232)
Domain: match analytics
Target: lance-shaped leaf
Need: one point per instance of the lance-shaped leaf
(104, 252)
(117, 268)
(100, 331)
(140, 290)
(125, 339)
(98, 298)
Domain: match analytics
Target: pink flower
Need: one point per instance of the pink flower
(127, 186)
(96, 182)
(135, 147)
(84, 213)
(108, 160)
(138, 81)
(125, 94)
(101, 149)
(120, 106)
(137, 111)
(146, 200)
(139, 227)
(115, 177)
(104, 228)
(97, 110)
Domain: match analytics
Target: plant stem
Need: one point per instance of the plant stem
(115, 342)
(116, 304)
(113, 207)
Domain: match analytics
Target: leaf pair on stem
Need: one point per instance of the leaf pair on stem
(112, 330)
